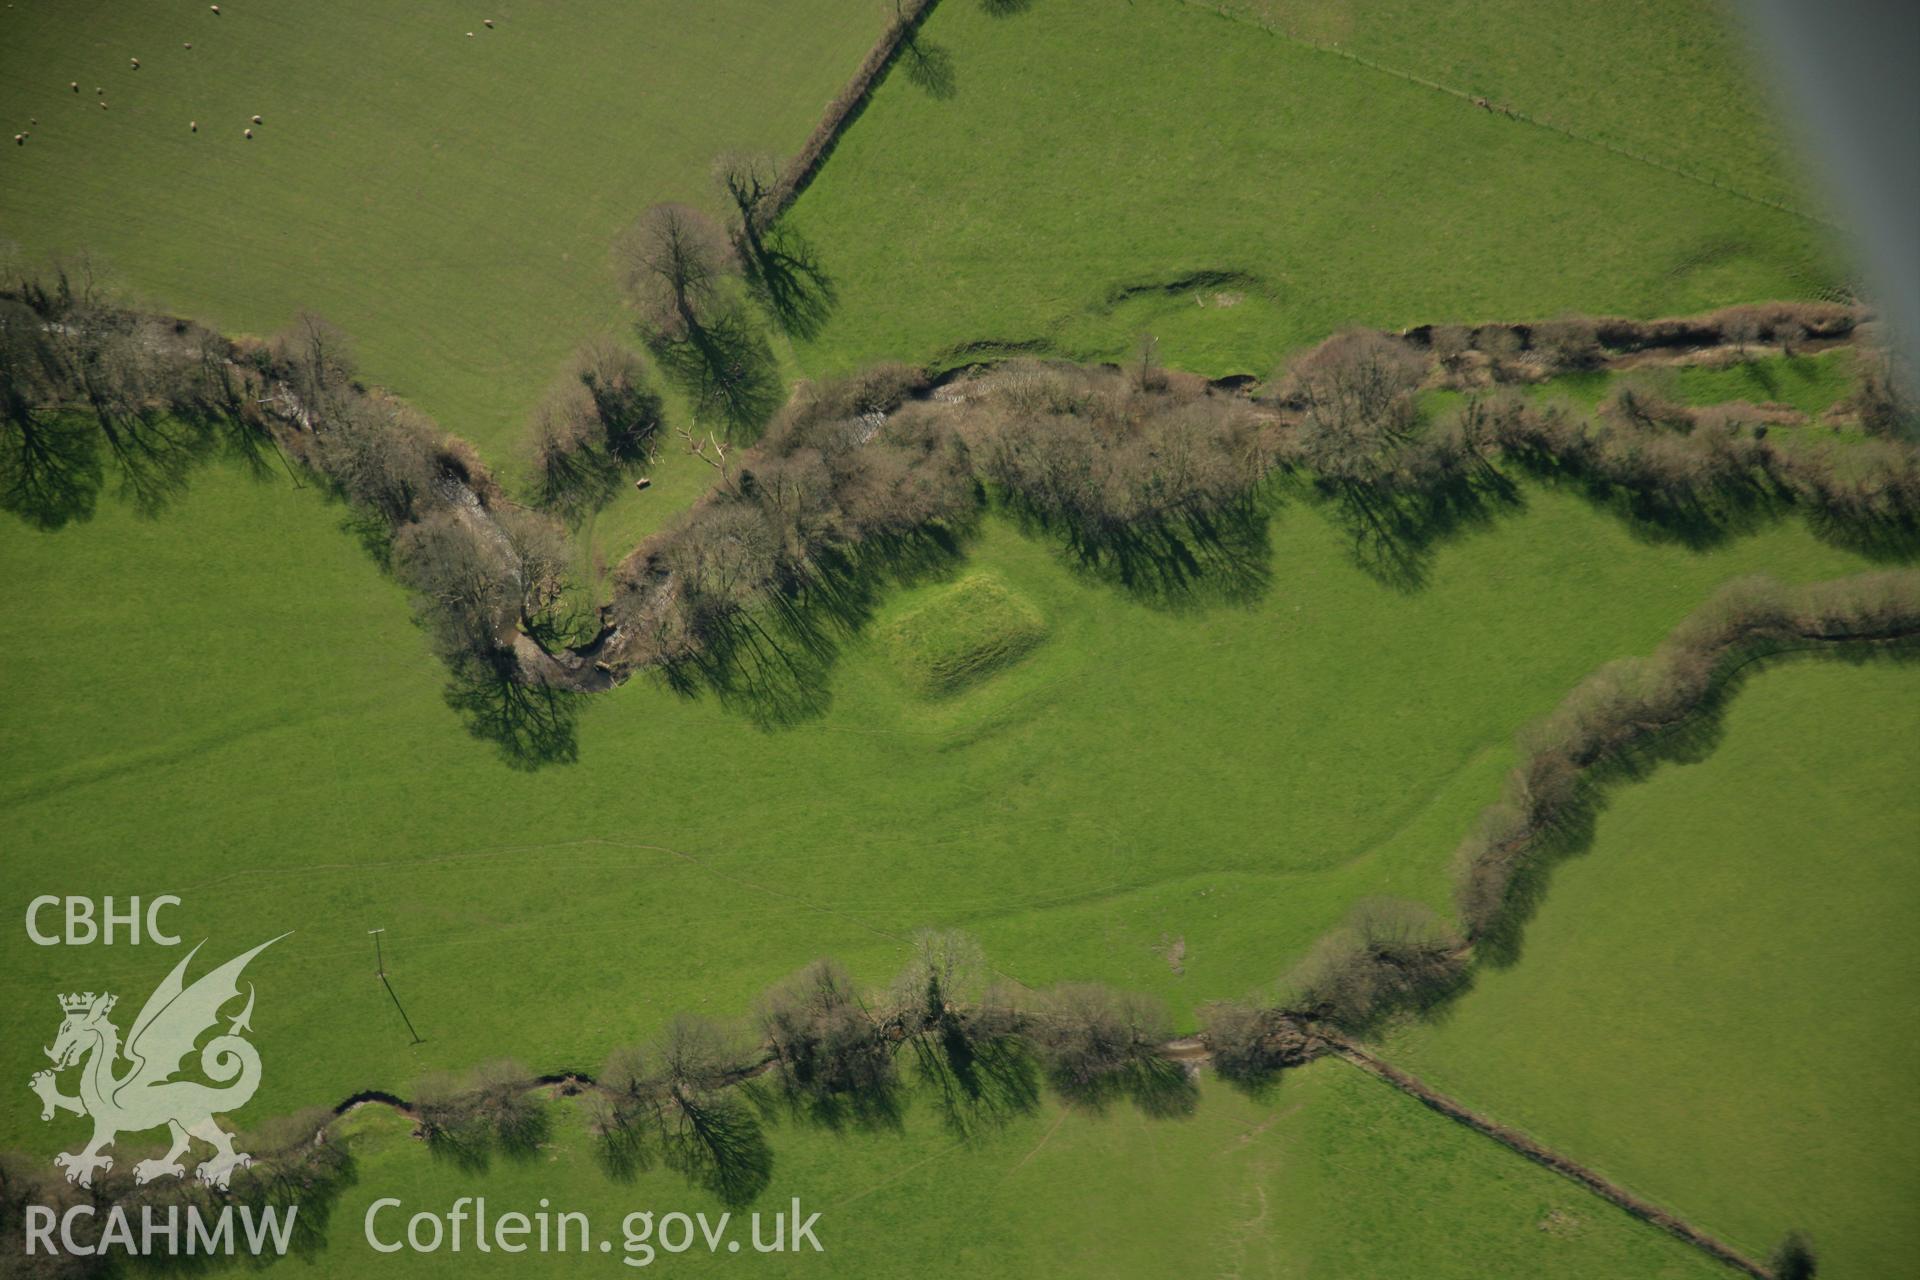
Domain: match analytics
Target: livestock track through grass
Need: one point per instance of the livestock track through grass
(1225, 775)
(1069, 175)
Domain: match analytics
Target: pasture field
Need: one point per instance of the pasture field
(1680, 83)
(963, 635)
(447, 200)
(1172, 780)
(1712, 1003)
(1069, 175)
(1331, 1174)
(1809, 383)
(1224, 776)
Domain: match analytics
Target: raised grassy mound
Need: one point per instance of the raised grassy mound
(963, 635)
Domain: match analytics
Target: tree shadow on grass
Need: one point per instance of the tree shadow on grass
(718, 1144)
(773, 664)
(579, 483)
(929, 66)
(467, 1148)
(53, 465)
(1501, 946)
(728, 372)
(531, 724)
(785, 276)
(979, 1085)
(1393, 537)
(1159, 1087)
(314, 1187)
(50, 471)
(1879, 537)
(1193, 560)
(1697, 516)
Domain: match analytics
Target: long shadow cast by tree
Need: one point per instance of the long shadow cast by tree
(928, 66)
(785, 276)
(1158, 1087)
(576, 484)
(311, 1175)
(1698, 515)
(314, 1189)
(717, 1143)
(1883, 537)
(772, 663)
(154, 454)
(1572, 832)
(50, 470)
(1394, 535)
(727, 369)
(531, 724)
(1191, 560)
(467, 1127)
(980, 1085)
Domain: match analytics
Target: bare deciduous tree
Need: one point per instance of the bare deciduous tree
(465, 583)
(1355, 395)
(316, 358)
(671, 262)
(748, 182)
(825, 1040)
(381, 454)
(1087, 1032)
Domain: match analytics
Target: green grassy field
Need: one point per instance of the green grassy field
(252, 723)
(448, 201)
(1173, 791)
(1054, 193)
(1680, 83)
(1333, 1174)
(1713, 1004)
(962, 636)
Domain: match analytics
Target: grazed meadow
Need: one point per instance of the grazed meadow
(446, 200)
(1329, 1175)
(1162, 167)
(1711, 1002)
(1225, 774)
(230, 703)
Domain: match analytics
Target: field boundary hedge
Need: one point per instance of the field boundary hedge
(1627, 705)
(844, 109)
(1515, 1141)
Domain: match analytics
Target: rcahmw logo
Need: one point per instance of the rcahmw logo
(145, 1094)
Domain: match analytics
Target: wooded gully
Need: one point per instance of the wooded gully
(858, 468)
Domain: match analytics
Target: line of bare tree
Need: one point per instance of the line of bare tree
(92, 389)
(1470, 356)
(1614, 716)
(847, 468)
(682, 277)
(297, 1160)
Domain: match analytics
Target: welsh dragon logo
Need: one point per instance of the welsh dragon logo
(145, 1095)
